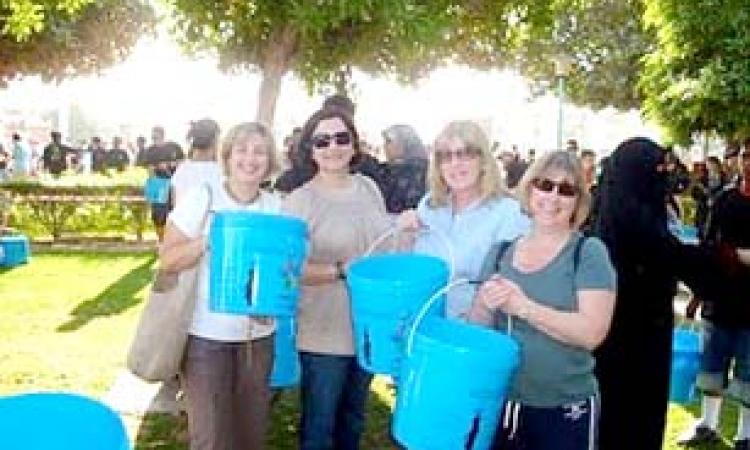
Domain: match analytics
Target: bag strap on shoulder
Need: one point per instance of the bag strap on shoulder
(502, 248)
(209, 205)
(491, 264)
(577, 252)
(495, 255)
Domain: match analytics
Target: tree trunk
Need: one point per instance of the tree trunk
(277, 59)
(269, 94)
(343, 77)
(705, 145)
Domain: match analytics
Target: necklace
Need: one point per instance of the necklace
(231, 194)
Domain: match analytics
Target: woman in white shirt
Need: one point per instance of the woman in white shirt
(228, 357)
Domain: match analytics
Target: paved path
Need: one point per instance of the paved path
(131, 395)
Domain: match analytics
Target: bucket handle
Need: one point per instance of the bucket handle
(688, 324)
(424, 229)
(429, 303)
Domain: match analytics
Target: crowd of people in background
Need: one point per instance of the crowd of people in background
(398, 166)
(20, 159)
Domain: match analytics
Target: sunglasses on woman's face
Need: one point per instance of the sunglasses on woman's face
(564, 188)
(460, 154)
(323, 140)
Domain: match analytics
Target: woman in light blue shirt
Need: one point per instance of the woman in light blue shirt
(467, 205)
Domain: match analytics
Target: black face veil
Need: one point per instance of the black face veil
(632, 202)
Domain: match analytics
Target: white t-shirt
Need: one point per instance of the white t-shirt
(187, 216)
(190, 174)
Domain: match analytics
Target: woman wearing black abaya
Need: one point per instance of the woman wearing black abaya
(633, 363)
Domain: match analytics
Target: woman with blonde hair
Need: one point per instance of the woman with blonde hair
(467, 204)
(228, 358)
(559, 287)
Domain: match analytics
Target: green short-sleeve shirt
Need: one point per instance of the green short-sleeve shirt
(552, 373)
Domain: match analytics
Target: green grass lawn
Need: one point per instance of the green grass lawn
(67, 320)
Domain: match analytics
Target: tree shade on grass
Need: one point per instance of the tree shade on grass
(68, 318)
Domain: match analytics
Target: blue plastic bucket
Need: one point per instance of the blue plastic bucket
(286, 369)
(255, 263)
(688, 234)
(156, 190)
(453, 386)
(685, 365)
(44, 421)
(387, 291)
(14, 250)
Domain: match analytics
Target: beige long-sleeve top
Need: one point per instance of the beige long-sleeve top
(342, 224)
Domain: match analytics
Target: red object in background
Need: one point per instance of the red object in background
(728, 258)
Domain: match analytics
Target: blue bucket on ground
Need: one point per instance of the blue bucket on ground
(156, 190)
(688, 234)
(453, 386)
(685, 365)
(44, 421)
(255, 263)
(286, 369)
(387, 290)
(14, 250)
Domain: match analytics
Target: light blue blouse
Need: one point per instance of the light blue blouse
(470, 233)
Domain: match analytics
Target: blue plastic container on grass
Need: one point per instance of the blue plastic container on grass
(156, 190)
(686, 350)
(59, 421)
(387, 291)
(453, 386)
(688, 234)
(255, 262)
(286, 368)
(14, 250)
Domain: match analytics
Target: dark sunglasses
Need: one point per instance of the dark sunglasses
(564, 188)
(461, 154)
(323, 140)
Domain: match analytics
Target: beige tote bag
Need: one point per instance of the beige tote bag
(159, 343)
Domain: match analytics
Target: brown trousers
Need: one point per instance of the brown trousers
(227, 393)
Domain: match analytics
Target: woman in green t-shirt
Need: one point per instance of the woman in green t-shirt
(560, 288)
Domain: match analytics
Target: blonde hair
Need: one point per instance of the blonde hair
(563, 161)
(473, 137)
(239, 134)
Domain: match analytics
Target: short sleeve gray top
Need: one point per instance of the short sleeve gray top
(552, 373)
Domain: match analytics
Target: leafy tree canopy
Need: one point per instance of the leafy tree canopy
(56, 39)
(22, 18)
(698, 77)
(317, 39)
(408, 38)
(605, 41)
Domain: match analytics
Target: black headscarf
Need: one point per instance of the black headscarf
(632, 193)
